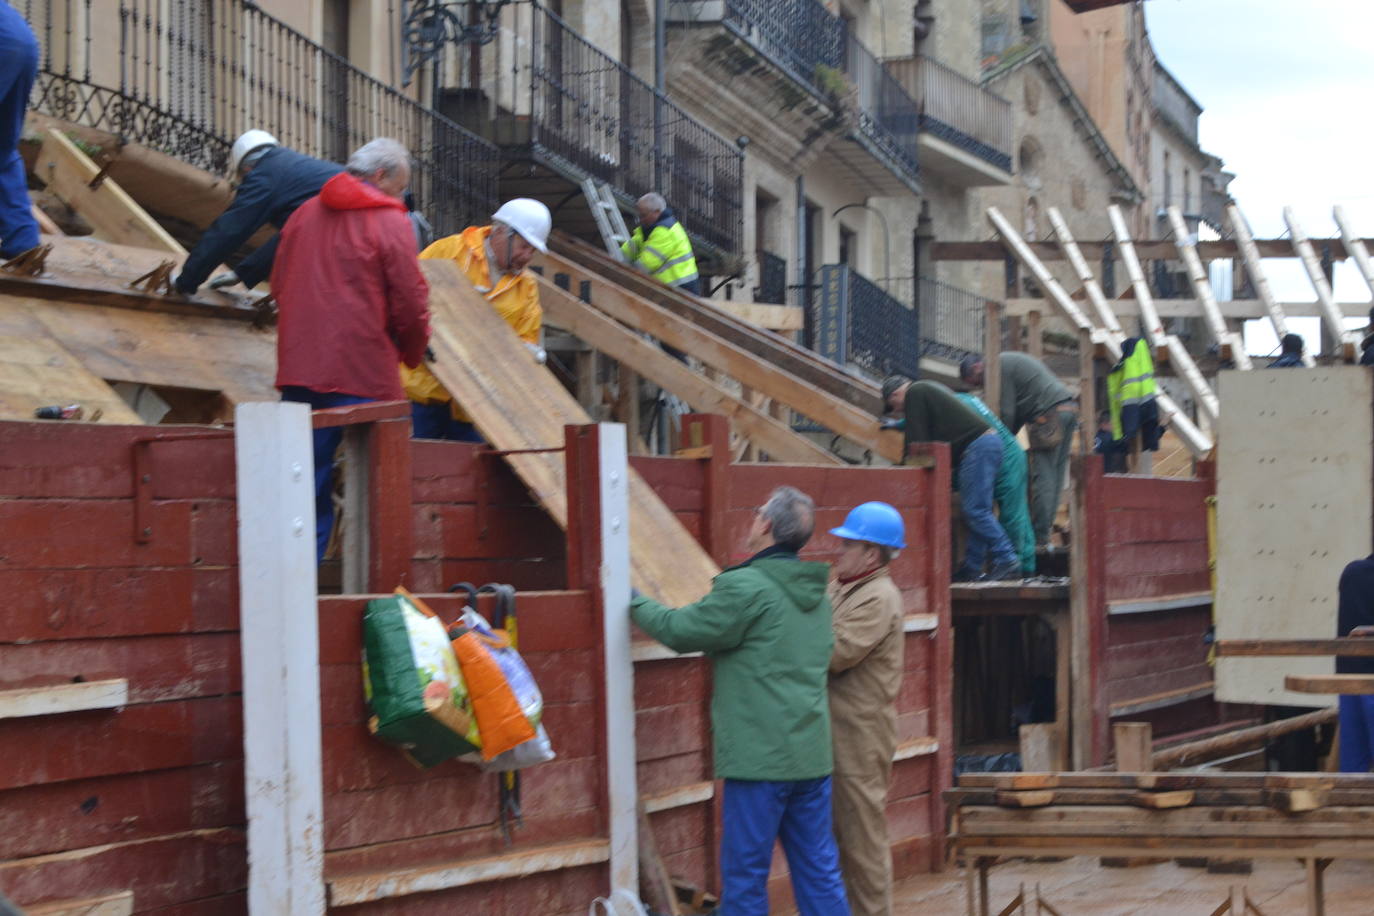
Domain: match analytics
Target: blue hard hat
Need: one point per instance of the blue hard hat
(875, 522)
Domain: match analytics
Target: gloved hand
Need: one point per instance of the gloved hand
(538, 352)
(219, 281)
(892, 423)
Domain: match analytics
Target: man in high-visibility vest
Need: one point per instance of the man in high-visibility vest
(494, 258)
(1131, 393)
(659, 246)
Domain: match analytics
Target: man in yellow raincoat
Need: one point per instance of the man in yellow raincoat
(494, 258)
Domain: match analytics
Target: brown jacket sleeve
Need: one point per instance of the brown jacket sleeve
(859, 627)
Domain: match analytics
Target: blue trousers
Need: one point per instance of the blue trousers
(757, 814)
(18, 70)
(978, 468)
(435, 421)
(326, 443)
(1357, 733)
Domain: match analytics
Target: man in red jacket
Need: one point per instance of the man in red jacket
(351, 300)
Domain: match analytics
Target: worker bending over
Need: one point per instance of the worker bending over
(351, 300)
(1009, 487)
(865, 676)
(659, 246)
(273, 182)
(765, 626)
(932, 413)
(1031, 396)
(494, 258)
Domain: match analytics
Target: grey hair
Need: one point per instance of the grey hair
(383, 154)
(654, 201)
(792, 516)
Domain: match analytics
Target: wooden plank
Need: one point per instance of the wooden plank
(1231, 309)
(719, 353)
(1105, 316)
(45, 224)
(1201, 797)
(1029, 798)
(1347, 647)
(1177, 798)
(1254, 268)
(1162, 699)
(1231, 345)
(1296, 801)
(68, 173)
(1355, 247)
(769, 317)
(345, 890)
(1134, 745)
(1041, 746)
(518, 404)
(584, 262)
(618, 342)
(1331, 316)
(1330, 683)
(62, 698)
(1161, 781)
(118, 904)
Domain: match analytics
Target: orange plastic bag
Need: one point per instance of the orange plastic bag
(500, 721)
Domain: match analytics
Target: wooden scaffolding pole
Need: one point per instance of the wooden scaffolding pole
(1177, 353)
(1231, 345)
(1249, 254)
(1105, 315)
(1197, 441)
(1331, 315)
(1354, 246)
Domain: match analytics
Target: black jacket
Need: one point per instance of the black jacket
(1356, 609)
(278, 183)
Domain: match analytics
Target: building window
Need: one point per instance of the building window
(848, 245)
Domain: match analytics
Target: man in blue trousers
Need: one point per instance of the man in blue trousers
(18, 70)
(766, 628)
(1355, 617)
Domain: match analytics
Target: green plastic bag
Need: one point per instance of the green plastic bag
(412, 683)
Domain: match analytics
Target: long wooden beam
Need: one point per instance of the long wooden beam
(1278, 319)
(1230, 344)
(1331, 317)
(1149, 250)
(1128, 306)
(564, 310)
(582, 261)
(1178, 354)
(1105, 316)
(1355, 247)
(1197, 441)
(1348, 647)
(834, 414)
(76, 180)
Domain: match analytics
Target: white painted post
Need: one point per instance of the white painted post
(1202, 289)
(278, 610)
(621, 781)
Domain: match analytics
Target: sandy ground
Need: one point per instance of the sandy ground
(1080, 886)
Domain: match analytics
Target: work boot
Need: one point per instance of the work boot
(1006, 572)
(966, 574)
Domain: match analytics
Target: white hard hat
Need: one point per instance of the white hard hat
(248, 141)
(528, 217)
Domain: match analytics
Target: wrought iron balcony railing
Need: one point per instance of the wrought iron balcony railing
(957, 109)
(186, 76)
(817, 49)
(952, 319)
(856, 321)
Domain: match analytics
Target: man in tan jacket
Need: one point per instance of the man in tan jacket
(865, 675)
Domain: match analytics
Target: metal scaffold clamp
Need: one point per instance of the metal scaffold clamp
(157, 281)
(29, 263)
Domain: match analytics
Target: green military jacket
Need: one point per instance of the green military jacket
(766, 628)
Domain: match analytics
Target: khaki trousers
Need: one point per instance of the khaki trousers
(861, 831)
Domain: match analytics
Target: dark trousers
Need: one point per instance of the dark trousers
(18, 70)
(1357, 733)
(326, 443)
(757, 814)
(435, 421)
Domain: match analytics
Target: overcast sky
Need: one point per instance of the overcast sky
(1285, 88)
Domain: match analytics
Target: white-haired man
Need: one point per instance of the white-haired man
(351, 300)
(659, 245)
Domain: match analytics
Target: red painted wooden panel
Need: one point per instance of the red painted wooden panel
(1137, 526)
(1120, 587)
(112, 809)
(908, 816)
(671, 681)
(162, 871)
(1153, 493)
(1145, 658)
(416, 809)
(658, 776)
(445, 472)
(132, 740)
(561, 893)
(214, 533)
(157, 667)
(677, 481)
(1125, 629)
(45, 604)
(193, 468)
(681, 828)
(544, 574)
(49, 533)
(911, 777)
(666, 731)
(1146, 686)
(511, 532)
(224, 905)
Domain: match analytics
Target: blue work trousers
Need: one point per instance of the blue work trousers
(755, 814)
(326, 443)
(978, 468)
(1357, 733)
(18, 70)
(435, 421)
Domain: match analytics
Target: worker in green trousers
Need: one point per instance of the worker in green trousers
(1009, 488)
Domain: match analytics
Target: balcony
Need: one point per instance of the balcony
(553, 100)
(857, 322)
(186, 78)
(952, 320)
(791, 76)
(965, 131)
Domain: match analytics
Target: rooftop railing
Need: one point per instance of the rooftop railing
(185, 77)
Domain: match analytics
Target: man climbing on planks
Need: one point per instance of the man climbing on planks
(865, 676)
(1032, 397)
(932, 413)
(659, 246)
(18, 70)
(765, 626)
(494, 258)
(351, 300)
(273, 182)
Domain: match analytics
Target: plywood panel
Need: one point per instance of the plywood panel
(36, 371)
(1294, 498)
(517, 404)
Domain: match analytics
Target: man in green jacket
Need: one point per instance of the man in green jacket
(765, 626)
(659, 246)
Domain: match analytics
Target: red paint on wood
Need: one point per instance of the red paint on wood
(1120, 587)
(913, 776)
(55, 533)
(1094, 543)
(659, 776)
(465, 800)
(356, 414)
(1153, 493)
(158, 668)
(389, 512)
(676, 481)
(43, 604)
(666, 731)
(682, 828)
(201, 468)
(214, 533)
(559, 893)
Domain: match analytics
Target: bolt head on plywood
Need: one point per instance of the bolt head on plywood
(1294, 494)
